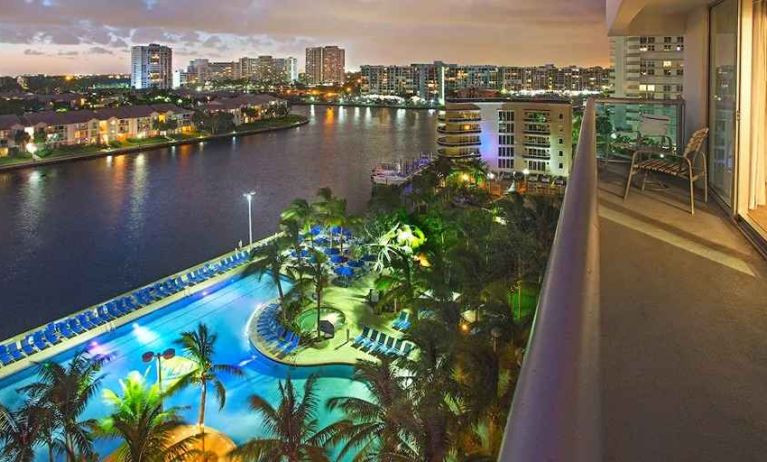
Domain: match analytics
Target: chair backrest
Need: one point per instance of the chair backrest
(653, 125)
(695, 145)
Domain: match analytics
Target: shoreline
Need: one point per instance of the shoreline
(377, 106)
(135, 149)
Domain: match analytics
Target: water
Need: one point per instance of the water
(226, 313)
(75, 234)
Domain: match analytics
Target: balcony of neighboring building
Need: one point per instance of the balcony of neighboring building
(458, 129)
(458, 140)
(649, 341)
(459, 152)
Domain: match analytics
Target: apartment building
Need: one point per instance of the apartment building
(248, 108)
(439, 80)
(151, 67)
(647, 66)
(325, 65)
(533, 136)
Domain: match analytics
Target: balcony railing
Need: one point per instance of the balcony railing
(458, 130)
(622, 122)
(459, 153)
(468, 141)
(556, 414)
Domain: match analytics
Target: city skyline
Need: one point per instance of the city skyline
(70, 36)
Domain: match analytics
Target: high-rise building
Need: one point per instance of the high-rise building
(151, 67)
(649, 67)
(325, 65)
(287, 68)
(519, 135)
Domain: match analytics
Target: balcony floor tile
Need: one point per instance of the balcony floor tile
(684, 330)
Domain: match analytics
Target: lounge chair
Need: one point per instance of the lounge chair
(51, 335)
(395, 350)
(5, 357)
(369, 342)
(39, 340)
(402, 318)
(406, 350)
(363, 335)
(84, 321)
(13, 349)
(384, 349)
(26, 345)
(377, 345)
(64, 329)
(75, 326)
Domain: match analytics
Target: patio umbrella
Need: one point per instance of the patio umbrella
(338, 259)
(332, 252)
(316, 230)
(355, 264)
(336, 230)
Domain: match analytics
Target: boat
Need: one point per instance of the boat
(396, 174)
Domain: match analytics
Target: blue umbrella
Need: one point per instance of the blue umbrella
(316, 230)
(332, 252)
(355, 264)
(346, 271)
(321, 241)
(336, 230)
(338, 259)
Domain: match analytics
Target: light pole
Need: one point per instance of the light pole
(249, 197)
(526, 172)
(159, 356)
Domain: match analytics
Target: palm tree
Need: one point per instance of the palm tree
(271, 258)
(198, 345)
(374, 428)
(291, 426)
(330, 210)
(146, 428)
(66, 391)
(394, 250)
(318, 272)
(22, 431)
(300, 212)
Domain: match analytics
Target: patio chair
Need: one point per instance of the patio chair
(649, 160)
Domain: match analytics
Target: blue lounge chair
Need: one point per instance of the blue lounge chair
(39, 340)
(395, 350)
(75, 326)
(82, 319)
(64, 329)
(5, 357)
(94, 318)
(26, 345)
(13, 350)
(402, 317)
(363, 335)
(368, 342)
(381, 341)
(51, 335)
(384, 348)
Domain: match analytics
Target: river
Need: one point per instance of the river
(77, 233)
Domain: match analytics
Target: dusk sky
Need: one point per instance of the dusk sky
(94, 36)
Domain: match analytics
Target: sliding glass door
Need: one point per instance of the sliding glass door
(723, 97)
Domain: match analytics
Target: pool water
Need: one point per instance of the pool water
(226, 311)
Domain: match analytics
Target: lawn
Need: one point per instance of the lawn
(288, 120)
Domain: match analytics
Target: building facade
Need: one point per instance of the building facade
(533, 136)
(647, 66)
(325, 65)
(437, 81)
(151, 67)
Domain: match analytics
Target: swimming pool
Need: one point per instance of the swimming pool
(226, 311)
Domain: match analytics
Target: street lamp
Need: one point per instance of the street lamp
(149, 356)
(249, 197)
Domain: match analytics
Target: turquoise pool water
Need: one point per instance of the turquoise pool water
(226, 311)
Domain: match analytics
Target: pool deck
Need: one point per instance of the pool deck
(337, 350)
(67, 344)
